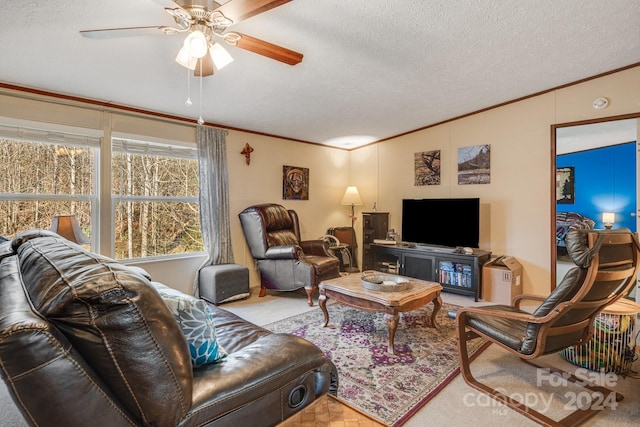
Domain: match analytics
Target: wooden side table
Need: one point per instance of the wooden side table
(328, 410)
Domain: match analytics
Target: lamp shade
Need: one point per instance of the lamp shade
(185, 60)
(352, 196)
(608, 217)
(68, 227)
(221, 57)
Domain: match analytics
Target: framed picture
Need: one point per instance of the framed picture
(427, 167)
(295, 183)
(474, 164)
(565, 185)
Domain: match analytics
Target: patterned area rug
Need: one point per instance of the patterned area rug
(390, 388)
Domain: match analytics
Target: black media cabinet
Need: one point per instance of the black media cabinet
(457, 273)
(374, 226)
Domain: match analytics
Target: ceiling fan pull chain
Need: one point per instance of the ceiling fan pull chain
(200, 119)
(188, 102)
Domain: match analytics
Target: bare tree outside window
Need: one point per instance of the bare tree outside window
(156, 200)
(154, 191)
(40, 180)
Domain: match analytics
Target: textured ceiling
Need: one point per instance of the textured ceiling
(372, 69)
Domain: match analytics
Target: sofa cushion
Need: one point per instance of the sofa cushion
(116, 321)
(196, 322)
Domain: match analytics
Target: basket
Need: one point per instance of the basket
(610, 349)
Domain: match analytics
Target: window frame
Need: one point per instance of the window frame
(52, 134)
(140, 145)
(99, 140)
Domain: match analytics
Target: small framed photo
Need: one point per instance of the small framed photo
(295, 183)
(427, 167)
(565, 185)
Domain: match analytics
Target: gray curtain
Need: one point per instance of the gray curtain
(214, 198)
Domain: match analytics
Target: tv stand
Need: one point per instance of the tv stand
(431, 248)
(457, 273)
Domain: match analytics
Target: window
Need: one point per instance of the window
(155, 195)
(53, 171)
(45, 173)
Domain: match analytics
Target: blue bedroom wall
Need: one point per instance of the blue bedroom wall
(605, 181)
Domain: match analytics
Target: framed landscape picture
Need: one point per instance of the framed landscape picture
(474, 164)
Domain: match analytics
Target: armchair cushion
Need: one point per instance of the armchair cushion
(281, 238)
(508, 331)
(196, 322)
(567, 289)
(283, 252)
(322, 265)
(315, 247)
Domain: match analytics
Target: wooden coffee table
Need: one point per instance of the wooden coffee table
(348, 290)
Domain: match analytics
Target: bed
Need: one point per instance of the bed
(566, 221)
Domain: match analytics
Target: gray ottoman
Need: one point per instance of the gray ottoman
(224, 282)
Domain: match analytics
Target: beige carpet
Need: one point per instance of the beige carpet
(387, 387)
(457, 404)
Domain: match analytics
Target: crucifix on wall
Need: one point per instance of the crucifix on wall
(247, 150)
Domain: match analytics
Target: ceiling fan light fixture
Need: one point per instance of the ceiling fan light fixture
(185, 60)
(196, 44)
(221, 58)
(204, 67)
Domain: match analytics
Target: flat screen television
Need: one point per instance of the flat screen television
(441, 222)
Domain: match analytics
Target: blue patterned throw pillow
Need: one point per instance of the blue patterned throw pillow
(196, 321)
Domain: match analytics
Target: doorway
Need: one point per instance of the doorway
(607, 179)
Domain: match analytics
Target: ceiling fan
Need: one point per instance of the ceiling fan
(208, 20)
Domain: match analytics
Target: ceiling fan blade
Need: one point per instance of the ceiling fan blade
(122, 32)
(239, 10)
(269, 50)
(204, 66)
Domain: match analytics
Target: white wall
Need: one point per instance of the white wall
(515, 206)
(261, 182)
(179, 273)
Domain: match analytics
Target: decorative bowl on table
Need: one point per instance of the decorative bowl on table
(376, 281)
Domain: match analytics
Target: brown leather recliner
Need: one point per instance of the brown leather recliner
(285, 262)
(87, 341)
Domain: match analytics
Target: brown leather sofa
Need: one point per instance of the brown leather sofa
(286, 262)
(85, 340)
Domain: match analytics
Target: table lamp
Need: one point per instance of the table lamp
(608, 218)
(352, 197)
